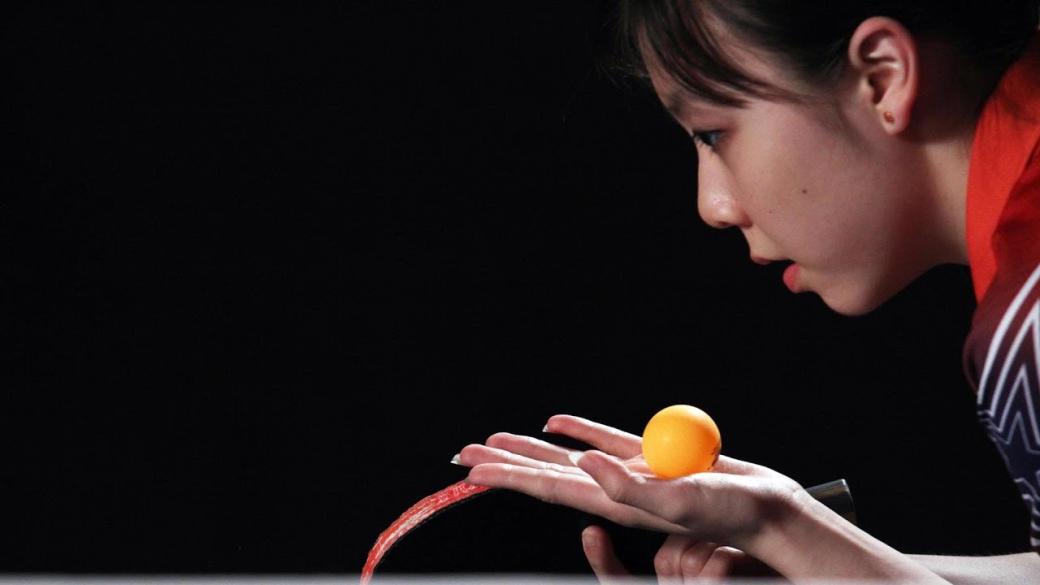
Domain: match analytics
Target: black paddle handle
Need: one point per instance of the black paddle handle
(836, 496)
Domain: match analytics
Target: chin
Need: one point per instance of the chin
(855, 293)
(850, 309)
(855, 301)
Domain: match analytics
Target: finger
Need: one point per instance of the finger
(721, 563)
(473, 455)
(672, 500)
(531, 447)
(676, 552)
(599, 551)
(694, 560)
(620, 444)
(605, 438)
(548, 452)
(567, 489)
(734, 466)
(741, 564)
(626, 445)
(638, 465)
(738, 467)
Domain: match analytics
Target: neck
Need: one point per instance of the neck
(945, 139)
(949, 161)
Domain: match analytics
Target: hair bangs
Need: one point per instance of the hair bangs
(677, 39)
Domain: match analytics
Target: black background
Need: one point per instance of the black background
(271, 267)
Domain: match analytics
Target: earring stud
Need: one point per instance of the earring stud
(890, 118)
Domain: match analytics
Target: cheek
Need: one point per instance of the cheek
(789, 175)
(783, 152)
(809, 188)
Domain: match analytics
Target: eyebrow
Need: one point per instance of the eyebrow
(677, 104)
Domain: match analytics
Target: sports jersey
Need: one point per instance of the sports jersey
(1002, 352)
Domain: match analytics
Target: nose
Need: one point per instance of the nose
(715, 202)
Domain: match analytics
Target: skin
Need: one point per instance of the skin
(863, 186)
(862, 204)
(593, 483)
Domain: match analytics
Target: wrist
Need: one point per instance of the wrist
(778, 512)
(802, 539)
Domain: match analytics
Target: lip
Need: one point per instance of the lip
(762, 260)
(791, 277)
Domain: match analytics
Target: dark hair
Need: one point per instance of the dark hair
(809, 36)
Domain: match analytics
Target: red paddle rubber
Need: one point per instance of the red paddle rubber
(835, 495)
(422, 511)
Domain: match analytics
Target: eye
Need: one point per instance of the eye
(709, 138)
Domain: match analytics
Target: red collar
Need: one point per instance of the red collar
(1005, 138)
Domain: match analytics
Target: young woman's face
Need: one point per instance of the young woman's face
(821, 185)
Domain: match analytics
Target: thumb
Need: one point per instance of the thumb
(599, 551)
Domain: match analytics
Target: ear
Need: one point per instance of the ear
(883, 56)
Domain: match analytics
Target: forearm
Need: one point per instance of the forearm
(1023, 568)
(808, 541)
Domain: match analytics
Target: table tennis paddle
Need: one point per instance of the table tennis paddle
(835, 495)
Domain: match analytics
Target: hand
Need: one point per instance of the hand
(679, 560)
(730, 505)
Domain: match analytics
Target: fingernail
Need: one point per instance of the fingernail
(455, 460)
(575, 456)
(545, 429)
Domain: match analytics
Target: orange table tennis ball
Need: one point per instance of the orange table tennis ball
(681, 440)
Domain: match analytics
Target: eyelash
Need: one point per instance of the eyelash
(709, 138)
